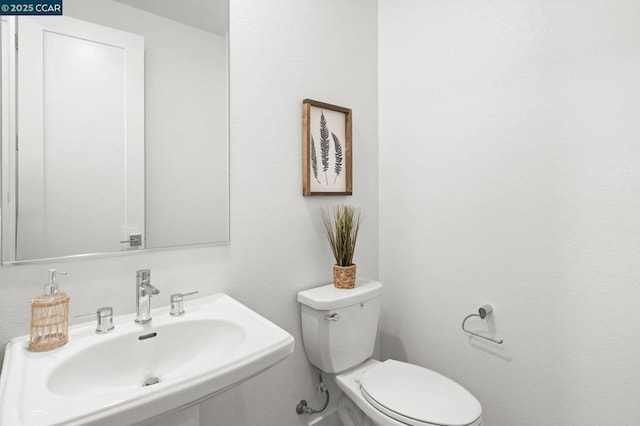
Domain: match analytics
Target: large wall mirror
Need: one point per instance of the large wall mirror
(115, 128)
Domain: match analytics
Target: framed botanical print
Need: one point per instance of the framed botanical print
(326, 149)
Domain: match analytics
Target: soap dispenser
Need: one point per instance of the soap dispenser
(49, 317)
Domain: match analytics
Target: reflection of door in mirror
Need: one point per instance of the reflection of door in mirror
(80, 89)
(186, 112)
(79, 184)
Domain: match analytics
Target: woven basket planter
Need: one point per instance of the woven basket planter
(344, 276)
(49, 323)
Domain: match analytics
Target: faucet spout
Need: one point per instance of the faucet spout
(144, 291)
(150, 289)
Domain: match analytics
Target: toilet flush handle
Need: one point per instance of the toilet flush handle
(332, 317)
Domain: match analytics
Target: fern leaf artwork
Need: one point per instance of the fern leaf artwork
(324, 145)
(327, 164)
(338, 155)
(314, 159)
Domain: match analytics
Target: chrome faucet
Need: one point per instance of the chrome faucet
(144, 291)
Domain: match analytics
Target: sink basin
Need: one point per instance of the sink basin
(126, 362)
(137, 371)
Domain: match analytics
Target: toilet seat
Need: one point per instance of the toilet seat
(418, 396)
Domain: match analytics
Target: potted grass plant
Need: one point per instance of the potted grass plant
(342, 224)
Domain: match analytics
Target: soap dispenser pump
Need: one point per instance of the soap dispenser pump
(49, 316)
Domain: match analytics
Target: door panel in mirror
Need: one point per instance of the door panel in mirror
(81, 147)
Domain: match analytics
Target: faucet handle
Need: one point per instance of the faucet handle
(104, 317)
(177, 305)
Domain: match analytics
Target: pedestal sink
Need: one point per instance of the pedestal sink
(137, 372)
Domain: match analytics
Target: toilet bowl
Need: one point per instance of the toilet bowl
(425, 399)
(339, 329)
(350, 414)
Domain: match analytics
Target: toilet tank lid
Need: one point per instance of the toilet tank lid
(329, 297)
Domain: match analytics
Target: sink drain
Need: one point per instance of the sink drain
(151, 381)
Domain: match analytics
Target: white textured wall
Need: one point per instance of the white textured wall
(281, 52)
(509, 150)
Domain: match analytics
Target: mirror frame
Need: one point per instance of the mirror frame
(101, 255)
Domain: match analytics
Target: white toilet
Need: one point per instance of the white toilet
(339, 330)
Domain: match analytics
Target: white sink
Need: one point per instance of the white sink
(99, 379)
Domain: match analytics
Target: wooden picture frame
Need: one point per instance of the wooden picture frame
(326, 149)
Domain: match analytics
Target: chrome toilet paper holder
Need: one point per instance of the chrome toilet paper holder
(482, 314)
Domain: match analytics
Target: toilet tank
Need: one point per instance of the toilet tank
(339, 326)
